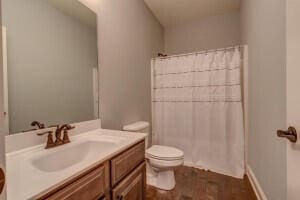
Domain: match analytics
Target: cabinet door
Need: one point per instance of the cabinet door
(127, 161)
(89, 186)
(133, 187)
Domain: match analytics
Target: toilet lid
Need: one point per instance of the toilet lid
(164, 152)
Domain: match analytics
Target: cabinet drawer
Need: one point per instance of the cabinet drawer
(90, 186)
(133, 186)
(124, 163)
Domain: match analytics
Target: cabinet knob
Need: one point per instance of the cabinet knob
(290, 134)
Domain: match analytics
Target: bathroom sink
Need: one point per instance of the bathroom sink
(67, 156)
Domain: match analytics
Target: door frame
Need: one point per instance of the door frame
(293, 96)
(5, 81)
(2, 131)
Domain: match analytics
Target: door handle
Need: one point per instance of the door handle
(2, 180)
(290, 134)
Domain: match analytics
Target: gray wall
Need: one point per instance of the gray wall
(207, 33)
(263, 29)
(129, 36)
(49, 68)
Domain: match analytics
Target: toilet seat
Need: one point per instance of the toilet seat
(164, 153)
(165, 164)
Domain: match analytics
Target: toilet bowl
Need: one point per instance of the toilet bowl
(161, 163)
(161, 160)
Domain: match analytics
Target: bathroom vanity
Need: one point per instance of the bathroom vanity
(100, 164)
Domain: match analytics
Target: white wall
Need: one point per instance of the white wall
(129, 36)
(263, 29)
(94, 5)
(206, 33)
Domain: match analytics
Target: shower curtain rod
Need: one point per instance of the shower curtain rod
(200, 52)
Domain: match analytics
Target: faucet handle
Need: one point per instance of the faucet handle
(66, 128)
(38, 124)
(66, 137)
(50, 142)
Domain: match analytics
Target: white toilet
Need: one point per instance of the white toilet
(161, 160)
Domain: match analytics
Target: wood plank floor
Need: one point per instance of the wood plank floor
(195, 184)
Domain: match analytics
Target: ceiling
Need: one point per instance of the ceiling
(173, 12)
(76, 9)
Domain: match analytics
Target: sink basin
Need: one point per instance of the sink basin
(68, 156)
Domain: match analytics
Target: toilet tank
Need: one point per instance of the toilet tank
(140, 127)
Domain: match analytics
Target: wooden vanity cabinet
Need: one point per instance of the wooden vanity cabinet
(92, 185)
(128, 174)
(122, 177)
(132, 187)
(125, 162)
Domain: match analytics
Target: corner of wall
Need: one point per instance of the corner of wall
(255, 184)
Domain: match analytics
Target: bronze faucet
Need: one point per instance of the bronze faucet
(58, 140)
(39, 125)
(50, 142)
(59, 129)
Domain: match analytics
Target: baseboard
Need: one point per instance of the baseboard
(255, 185)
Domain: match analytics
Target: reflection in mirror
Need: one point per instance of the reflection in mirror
(52, 65)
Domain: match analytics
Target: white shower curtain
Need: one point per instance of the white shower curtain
(197, 108)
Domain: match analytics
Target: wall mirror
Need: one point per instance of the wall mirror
(50, 63)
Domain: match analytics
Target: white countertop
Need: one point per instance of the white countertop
(25, 181)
